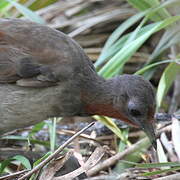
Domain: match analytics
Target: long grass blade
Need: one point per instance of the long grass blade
(27, 12)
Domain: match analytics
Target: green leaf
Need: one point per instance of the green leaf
(153, 165)
(20, 138)
(37, 128)
(113, 44)
(14, 137)
(41, 159)
(147, 67)
(27, 12)
(124, 55)
(24, 161)
(169, 38)
(35, 176)
(4, 164)
(3, 4)
(112, 126)
(122, 145)
(134, 156)
(117, 33)
(166, 81)
(4, 7)
(118, 45)
(39, 4)
(160, 171)
(142, 5)
(52, 133)
(117, 61)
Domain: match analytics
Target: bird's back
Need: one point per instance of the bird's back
(42, 72)
(30, 50)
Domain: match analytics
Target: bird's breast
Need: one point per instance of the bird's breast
(21, 107)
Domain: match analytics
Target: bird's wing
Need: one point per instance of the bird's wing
(23, 69)
(26, 58)
(20, 66)
(35, 55)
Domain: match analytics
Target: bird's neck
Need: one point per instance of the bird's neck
(98, 97)
(97, 91)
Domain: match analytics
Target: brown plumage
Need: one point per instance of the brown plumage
(44, 73)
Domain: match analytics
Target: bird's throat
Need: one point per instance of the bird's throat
(98, 99)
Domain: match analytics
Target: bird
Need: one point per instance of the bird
(44, 73)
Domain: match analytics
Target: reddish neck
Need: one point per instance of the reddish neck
(106, 110)
(98, 100)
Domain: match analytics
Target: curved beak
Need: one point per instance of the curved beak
(149, 130)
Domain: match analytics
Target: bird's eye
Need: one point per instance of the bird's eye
(135, 112)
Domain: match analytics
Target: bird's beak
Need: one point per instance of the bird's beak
(149, 130)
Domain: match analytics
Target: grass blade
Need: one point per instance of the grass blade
(116, 62)
(166, 81)
(27, 12)
(146, 68)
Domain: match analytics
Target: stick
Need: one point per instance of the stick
(170, 177)
(112, 160)
(43, 163)
(91, 162)
(10, 176)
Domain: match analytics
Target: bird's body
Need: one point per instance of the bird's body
(46, 67)
(44, 73)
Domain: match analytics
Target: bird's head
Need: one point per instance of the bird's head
(135, 100)
(127, 97)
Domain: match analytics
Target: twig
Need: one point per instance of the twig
(171, 177)
(112, 160)
(55, 166)
(43, 163)
(165, 117)
(11, 176)
(84, 136)
(91, 162)
(112, 176)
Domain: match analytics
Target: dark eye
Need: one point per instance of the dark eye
(135, 112)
